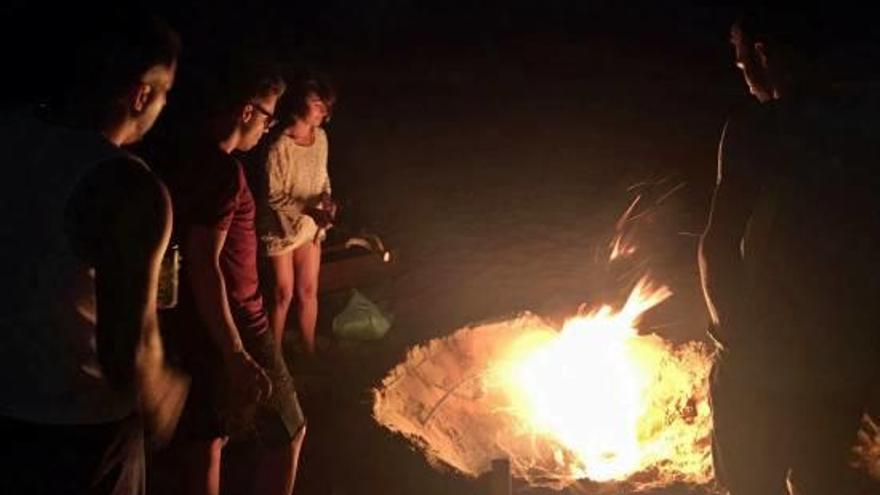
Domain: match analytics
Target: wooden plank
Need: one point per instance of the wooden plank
(499, 478)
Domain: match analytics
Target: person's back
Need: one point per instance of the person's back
(812, 238)
(48, 362)
(87, 225)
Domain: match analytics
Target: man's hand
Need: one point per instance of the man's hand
(132, 211)
(248, 381)
(162, 397)
(162, 390)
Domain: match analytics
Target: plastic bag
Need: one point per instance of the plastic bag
(361, 319)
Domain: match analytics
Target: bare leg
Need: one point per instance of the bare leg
(276, 471)
(282, 293)
(255, 469)
(306, 267)
(191, 468)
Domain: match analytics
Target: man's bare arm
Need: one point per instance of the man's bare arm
(202, 248)
(134, 226)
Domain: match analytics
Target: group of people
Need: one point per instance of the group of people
(788, 263)
(88, 379)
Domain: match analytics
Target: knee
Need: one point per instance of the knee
(215, 450)
(299, 437)
(307, 292)
(283, 293)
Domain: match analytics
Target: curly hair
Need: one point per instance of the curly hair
(293, 104)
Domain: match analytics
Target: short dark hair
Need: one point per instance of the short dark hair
(235, 82)
(266, 85)
(128, 46)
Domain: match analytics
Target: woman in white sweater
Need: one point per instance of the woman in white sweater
(294, 205)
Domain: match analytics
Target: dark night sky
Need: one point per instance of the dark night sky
(690, 33)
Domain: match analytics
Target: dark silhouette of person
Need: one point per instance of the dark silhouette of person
(789, 267)
(87, 225)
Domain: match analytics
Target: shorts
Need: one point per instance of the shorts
(276, 243)
(274, 421)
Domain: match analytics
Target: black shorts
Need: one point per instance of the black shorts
(274, 421)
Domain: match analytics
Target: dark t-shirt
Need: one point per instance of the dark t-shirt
(89, 214)
(209, 189)
(811, 243)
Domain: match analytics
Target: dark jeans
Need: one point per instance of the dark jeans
(774, 418)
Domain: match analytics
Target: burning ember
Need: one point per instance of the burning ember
(867, 448)
(593, 400)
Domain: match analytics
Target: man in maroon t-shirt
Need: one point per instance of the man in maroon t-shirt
(241, 387)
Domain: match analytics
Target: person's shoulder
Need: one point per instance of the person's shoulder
(321, 139)
(221, 162)
(749, 115)
(118, 190)
(237, 167)
(277, 141)
(122, 170)
(208, 156)
(225, 173)
(320, 134)
(123, 180)
(749, 124)
(207, 163)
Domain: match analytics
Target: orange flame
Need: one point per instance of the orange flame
(554, 386)
(621, 249)
(867, 448)
(594, 400)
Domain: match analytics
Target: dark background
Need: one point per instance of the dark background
(493, 145)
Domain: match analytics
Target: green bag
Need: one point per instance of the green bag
(361, 319)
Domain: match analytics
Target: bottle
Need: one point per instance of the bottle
(169, 272)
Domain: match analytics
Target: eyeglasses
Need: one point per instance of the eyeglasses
(270, 117)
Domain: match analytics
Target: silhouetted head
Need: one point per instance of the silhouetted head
(776, 50)
(124, 75)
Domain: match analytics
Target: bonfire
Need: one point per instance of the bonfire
(593, 401)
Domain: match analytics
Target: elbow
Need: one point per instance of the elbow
(705, 249)
(202, 263)
(205, 276)
(118, 371)
(707, 241)
(714, 248)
